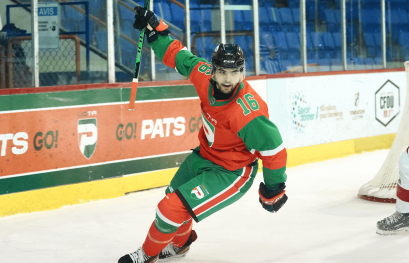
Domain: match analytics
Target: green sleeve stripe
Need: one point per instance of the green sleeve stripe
(274, 177)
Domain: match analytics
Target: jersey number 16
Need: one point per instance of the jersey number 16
(251, 102)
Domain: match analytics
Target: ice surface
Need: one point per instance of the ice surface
(323, 221)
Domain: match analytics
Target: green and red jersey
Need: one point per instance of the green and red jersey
(235, 131)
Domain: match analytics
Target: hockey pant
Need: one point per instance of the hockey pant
(198, 189)
(402, 202)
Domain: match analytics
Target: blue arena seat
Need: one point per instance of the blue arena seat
(310, 12)
(370, 4)
(242, 42)
(378, 39)
(358, 63)
(238, 20)
(249, 61)
(164, 11)
(324, 64)
(352, 33)
(336, 64)
(206, 24)
(178, 15)
(271, 66)
(329, 45)
(296, 16)
(195, 20)
(280, 41)
(200, 50)
(275, 18)
(330, 18)
(209, 46)
(352, 11)
(286, 65)
(369, 63)
(378, 63)
(128, 46)
(248, 20)
(371, 20)
(371, 47)
(125, 13)
(264, 19)
(266, 38)
(317, 43)
(286, 19)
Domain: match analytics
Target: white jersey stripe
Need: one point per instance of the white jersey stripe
(270, 152)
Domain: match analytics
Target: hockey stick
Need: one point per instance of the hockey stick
(137, 65)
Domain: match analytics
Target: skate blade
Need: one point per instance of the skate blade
(402, 231)
(169, 259)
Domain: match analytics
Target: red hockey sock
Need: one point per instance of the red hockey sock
(183, 234)
(156, 241)
(170, 211)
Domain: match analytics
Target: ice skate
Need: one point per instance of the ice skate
(396, 224)
(138, 256)
(175, 252)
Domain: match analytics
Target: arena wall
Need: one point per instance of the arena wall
(73, 144)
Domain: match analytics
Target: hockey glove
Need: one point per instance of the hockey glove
(143, 18)
(272, 200)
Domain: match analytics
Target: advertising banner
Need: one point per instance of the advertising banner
(57, 138)
(323, 109)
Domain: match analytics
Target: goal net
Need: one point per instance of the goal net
(382, 188)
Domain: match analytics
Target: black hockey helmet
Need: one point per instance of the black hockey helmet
(228, 56)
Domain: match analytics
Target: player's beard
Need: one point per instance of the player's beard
(224, 88)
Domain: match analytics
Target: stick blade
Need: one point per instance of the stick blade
(133, 95)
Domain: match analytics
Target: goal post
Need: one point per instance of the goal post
(382, 188)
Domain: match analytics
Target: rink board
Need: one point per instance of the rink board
(66, 147)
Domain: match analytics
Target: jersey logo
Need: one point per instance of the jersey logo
(199, 192)
(209, 130)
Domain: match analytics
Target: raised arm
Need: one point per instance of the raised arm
(170, 51)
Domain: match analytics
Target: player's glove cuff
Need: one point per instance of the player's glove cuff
(159, 28)
(272, 200)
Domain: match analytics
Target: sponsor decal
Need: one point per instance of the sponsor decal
(356, 113)
(330, 111)
(387, 103)
(302, 112)
(46, 140)
(199, 192)
(87, 136)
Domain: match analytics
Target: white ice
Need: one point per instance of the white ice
(323, 221)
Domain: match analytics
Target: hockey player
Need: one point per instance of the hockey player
(398, 223)
(236, 132)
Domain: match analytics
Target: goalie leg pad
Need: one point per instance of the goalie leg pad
(402, 202)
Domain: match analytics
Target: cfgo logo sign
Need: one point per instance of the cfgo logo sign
(199, 192)
(87, 136)
(387, 103)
